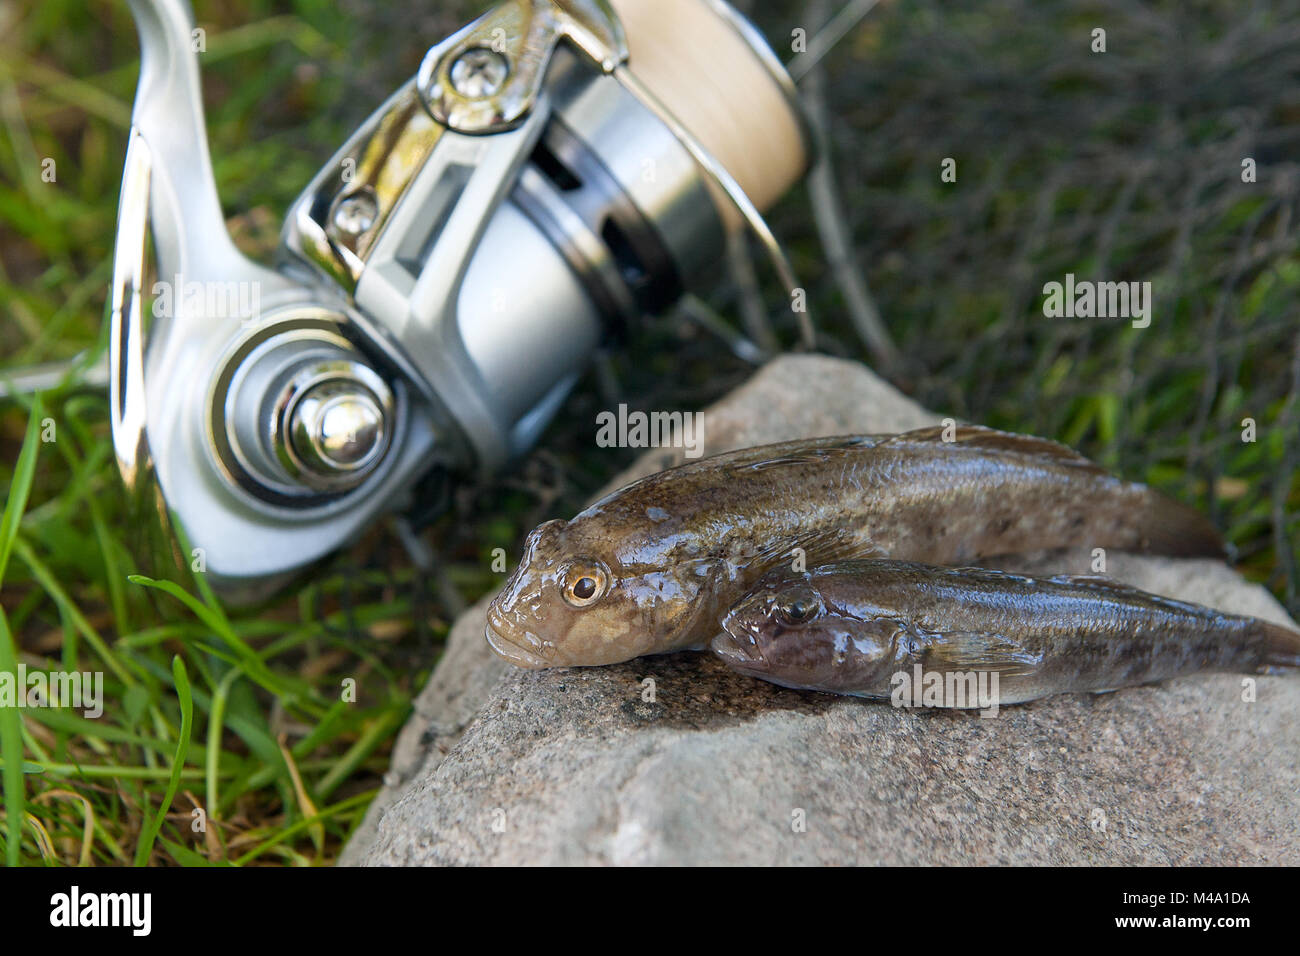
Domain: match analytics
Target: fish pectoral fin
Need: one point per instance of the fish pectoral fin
(994, 440)
(824, 546)
(979, 651)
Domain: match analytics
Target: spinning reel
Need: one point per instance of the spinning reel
(555, 169)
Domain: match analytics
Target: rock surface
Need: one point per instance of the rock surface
(588, 766)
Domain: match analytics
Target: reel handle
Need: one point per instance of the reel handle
(189, 231)
(168, 194)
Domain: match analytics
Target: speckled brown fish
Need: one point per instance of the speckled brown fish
(652, 567)
(881, 628)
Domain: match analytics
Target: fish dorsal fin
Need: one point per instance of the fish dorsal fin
(784, 461)
(1118, 589)
(798, 451)
(991, 439)
(1098, 581)
(978, 651)
(802, 452)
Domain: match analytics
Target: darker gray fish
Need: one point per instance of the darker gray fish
(855, 627)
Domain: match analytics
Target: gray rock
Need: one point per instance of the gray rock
(584, 766)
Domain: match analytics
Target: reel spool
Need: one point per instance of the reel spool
(713, 69)
(553, 171)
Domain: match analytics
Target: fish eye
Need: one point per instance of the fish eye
(584, 583)
(797, 608)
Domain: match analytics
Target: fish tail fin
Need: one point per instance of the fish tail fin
(1170, 527)
(1281, 646)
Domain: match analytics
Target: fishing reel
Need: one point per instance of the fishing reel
(556, 169)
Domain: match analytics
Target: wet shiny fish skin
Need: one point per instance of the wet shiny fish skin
(676, 549)
(849, 627)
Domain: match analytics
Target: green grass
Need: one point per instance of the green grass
(256, 774)
(240, 713)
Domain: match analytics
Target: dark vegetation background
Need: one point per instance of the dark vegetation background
(1121, 166)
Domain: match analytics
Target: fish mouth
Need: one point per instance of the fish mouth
(515, 653)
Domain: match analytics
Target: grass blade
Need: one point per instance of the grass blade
(11, 721)
(21, 486)
(145, 846)
(251, 661)
(11, 742)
